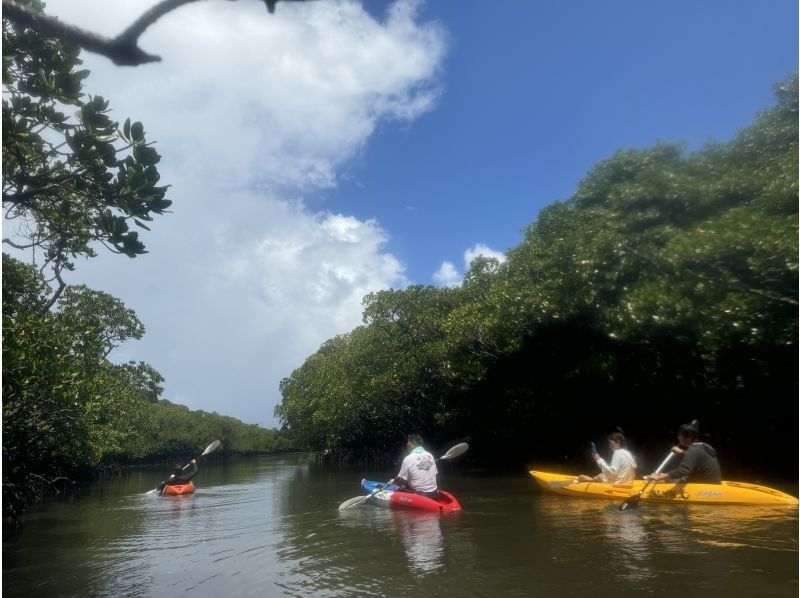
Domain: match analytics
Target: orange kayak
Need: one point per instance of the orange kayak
(179, 489)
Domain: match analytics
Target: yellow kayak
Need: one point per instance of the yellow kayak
(726, 493)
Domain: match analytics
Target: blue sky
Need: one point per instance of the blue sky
(535, 93)
(338, 148)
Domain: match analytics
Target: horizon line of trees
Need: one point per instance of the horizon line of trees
(69, 412)
(664, 290)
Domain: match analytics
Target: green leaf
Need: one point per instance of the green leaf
(137, 131)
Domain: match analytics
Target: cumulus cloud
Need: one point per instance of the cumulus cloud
(482, 250)
(253, 113)
(448, 275)
(274, 100)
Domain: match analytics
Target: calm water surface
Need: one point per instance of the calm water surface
(270, 527)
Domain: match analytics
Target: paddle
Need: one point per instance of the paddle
(209, 449)
(633, 501)
(454, 452)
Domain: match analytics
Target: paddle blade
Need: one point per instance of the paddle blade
(211, 447)
(454, 452)
(354, 502)
(630, 503)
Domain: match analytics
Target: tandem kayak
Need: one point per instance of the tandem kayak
(725, 493)
(390, 496)
(179, 489)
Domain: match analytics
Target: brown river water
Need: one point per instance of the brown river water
(270, 527)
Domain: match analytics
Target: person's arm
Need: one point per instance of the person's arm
(664, 475)
(186, 476)
(610, 471)
(685, 467)
(401, 479)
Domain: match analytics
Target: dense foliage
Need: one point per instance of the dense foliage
(664, 289)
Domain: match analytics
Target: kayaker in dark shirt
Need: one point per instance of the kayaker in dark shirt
(180, 476)
(698, 462)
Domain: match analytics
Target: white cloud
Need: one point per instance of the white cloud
(481, 250)
(251, 113)
(276, 100)
(447, 275)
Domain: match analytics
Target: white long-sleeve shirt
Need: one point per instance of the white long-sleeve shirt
(622, 469)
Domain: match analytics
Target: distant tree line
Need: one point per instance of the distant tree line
(665, 289)
(68, 411)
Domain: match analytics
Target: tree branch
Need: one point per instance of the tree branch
(61, 286)
(122, 50)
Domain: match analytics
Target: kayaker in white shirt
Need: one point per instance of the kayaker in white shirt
(621, 470)
(418, 471)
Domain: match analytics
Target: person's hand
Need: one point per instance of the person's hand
(658, 476)
(194, 461)
(390, 481)
(596, 456)
(677, 450)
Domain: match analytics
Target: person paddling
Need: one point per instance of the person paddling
(698, 462)
(418, 471)
(180, 476)
(621, 470)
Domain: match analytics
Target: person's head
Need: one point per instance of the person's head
(688, 433)
(413, 440)
(616, 440)
(178, 468)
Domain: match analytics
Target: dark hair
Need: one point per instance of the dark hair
(416, 439)
(690, 430)
(618, 437)
(178, 468)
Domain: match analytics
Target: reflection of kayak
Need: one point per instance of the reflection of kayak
(389, 496)
(729, 493)
(179, 489)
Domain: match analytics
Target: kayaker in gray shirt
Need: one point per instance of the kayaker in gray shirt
(698, 462)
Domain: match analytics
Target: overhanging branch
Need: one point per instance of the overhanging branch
(122, 50)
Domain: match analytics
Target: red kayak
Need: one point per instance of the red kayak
(390, 496)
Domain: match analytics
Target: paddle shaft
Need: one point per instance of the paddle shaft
(634, 500)
(660, 467)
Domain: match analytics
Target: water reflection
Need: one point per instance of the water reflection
(421, 537)
(639, 547)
